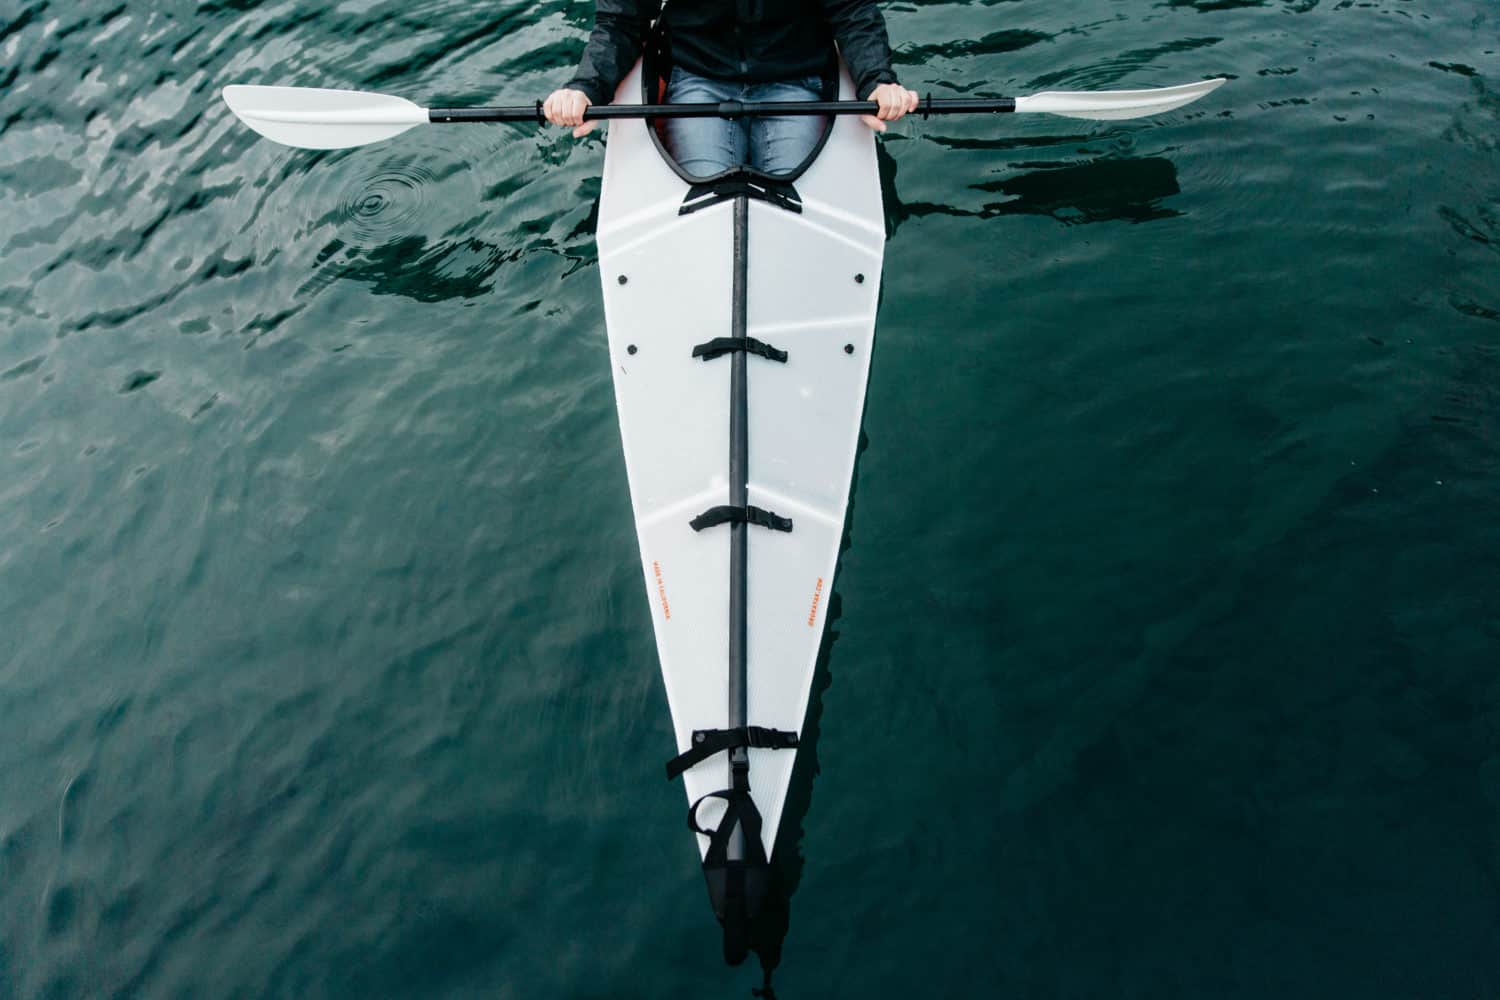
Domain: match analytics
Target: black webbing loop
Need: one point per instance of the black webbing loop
(726, 514)
(720, 346)
(737, 887)
(707, 742)
(739, 810)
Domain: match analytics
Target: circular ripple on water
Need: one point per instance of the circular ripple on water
(386, 206)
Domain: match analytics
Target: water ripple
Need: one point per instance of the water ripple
(326, 667)
(386, 205)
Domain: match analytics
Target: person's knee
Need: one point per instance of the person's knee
(704, 168)
(705, 146)
(701, 159)
(782, 147)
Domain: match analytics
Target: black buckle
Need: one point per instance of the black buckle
(707, 742)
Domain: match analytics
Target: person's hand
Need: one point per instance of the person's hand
(566, 107)
(894, 100)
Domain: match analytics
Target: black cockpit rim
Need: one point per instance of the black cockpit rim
(656, 69)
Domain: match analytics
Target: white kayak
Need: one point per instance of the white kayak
(741, 315)
(811, 272)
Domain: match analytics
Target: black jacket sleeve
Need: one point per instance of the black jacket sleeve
(620, 29)
(860, 31)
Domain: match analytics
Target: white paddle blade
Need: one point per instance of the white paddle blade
(314, 118)
(1115, 105)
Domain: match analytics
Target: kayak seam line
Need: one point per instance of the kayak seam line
(666, 207)
(826, 209)
(695, 502)
(874, 253)
(794, 326)
(781, 503)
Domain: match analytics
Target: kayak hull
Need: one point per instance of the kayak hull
(812, 279)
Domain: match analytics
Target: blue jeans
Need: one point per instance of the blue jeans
(704, 146)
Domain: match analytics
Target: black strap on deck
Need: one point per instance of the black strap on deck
(707, 742)
(737, 887)
(739, 809)
(720, 346)
(725, 514)
(775, 192)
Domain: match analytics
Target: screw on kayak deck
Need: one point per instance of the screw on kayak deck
(623, 279)
(859, 279)
(630, 349)
(848, 348)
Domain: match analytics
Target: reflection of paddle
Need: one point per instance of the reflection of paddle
(313, 118)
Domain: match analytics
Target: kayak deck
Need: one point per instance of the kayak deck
(812, 276)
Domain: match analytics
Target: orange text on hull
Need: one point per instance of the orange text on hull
(812, 614)
(661, 591)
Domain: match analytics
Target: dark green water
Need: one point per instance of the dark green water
(1166, 654)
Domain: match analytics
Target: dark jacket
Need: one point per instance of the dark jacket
(752, 41)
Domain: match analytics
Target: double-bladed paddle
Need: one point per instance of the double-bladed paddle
(314, 118)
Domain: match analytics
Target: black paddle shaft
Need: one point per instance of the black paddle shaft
(727, 109)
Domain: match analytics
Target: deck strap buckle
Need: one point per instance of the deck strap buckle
(720, 346)
(726, 514)
(707, 742)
